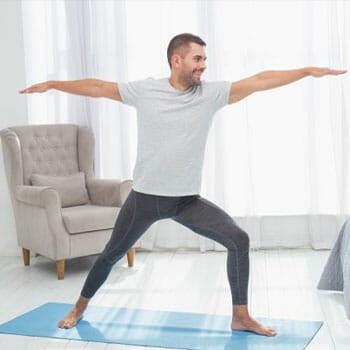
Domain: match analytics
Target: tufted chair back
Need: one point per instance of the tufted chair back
(59, 149)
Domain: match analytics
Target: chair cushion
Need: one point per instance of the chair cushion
(89, 217)
(71, 188)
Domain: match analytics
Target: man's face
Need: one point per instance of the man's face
(192, 65)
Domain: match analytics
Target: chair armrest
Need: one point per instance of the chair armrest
(104, 192)
(39, 196)
(107, 192)
(125, 189)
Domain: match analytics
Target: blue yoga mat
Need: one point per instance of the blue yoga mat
(164, 329)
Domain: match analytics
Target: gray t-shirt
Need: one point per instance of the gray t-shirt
(172, 129)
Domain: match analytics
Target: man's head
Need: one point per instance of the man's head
(186, 57)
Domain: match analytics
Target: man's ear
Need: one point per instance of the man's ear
(175, 60)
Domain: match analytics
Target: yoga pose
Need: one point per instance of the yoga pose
(174, 116)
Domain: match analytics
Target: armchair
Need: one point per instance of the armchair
(61, 209)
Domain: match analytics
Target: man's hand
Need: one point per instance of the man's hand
(320, 72)
(41, 87)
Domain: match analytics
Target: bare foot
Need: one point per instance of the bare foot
(248, 324)
(76, 314)
(71, 319)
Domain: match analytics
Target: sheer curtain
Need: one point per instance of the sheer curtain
(276, 161)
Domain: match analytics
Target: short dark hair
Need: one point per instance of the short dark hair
(182, 40)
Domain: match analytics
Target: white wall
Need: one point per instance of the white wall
(12, 107)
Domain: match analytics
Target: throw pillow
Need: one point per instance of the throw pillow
(71, 188)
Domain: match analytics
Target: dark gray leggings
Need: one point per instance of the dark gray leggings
(141, 210)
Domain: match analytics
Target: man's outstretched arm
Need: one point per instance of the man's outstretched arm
(272, 79)
(84, 87)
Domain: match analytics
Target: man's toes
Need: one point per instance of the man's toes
(66, 324)
(271, 332)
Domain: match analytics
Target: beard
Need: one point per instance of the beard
(189, 79)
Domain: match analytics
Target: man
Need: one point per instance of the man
(174, 117)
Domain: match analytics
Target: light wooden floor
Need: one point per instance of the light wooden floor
(283, 285)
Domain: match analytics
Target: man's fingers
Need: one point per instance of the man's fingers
(31, 89)
(337, 72)
(320, 72)
(24, 91)
(27, 90)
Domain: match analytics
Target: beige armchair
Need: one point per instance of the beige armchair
(61, 210)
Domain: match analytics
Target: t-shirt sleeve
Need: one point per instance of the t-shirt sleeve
(131, 91)
(219, 93)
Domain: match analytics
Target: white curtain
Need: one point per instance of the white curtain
(276, 161)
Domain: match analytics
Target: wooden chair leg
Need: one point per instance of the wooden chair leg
(60, 269)
(26, 256)
(131, 255)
